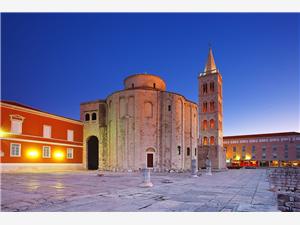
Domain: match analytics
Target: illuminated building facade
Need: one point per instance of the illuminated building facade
(32, 139)
(142, 125)
(263, 150)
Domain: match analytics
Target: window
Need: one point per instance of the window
(286, 151)
(87, 117)
(15, 150)
(212, 106)
(94, 116)
(16, 126)
(169, 107)
(188, 151)
(205, 140)
(298, 151)
(46, 151)
(70, 134)
(264, 152)
(47, 131)
(178, 147)
(212, 140)
(204, 88)
(253, 152)
(234, 149)
(212, 124)
(204, 109)
(274, 152)
(132, 85)
(69, 153)
(204, 126)
(154, 85)
(195, 151)
(212, 86)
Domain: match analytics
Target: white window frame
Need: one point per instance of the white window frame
(11, 150)
(45, 129)
(70, 135)
(17, 123)
(72, 153)
(43, 151)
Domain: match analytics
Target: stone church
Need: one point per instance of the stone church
(144, 125)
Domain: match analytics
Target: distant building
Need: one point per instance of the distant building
(33, 139)
(142, 125)
(211, 116)
(263, 150)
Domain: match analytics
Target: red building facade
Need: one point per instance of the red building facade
(31, 138)
(263, 150)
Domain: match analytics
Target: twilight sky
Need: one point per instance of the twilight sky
(56, 61)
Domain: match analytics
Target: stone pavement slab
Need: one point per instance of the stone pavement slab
(232, 190)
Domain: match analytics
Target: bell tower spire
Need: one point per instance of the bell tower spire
(210, 66)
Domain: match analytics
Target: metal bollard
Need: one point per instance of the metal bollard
(146, 178)
(194, 168)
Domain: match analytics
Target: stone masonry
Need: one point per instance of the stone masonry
(286, 182)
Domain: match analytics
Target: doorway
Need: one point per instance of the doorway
(149, 160)
(92, 153)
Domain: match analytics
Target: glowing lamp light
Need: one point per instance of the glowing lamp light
(2, 133)
(237, 157)
(248, 157)
(32, 154)
(58, 155)
(227, 160)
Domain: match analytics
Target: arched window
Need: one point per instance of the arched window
(212, 124)
(154, 85)
(212, 106)
(212, 140)
(204, 109)
(204, 88)
(178, 147)
(204, 125)
(94, 116)
(212, 86)
(188, 151)
(205, 141)
(87, 117)
(148, 109)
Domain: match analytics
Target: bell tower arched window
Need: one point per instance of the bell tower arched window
(212, 124)
(212, 87)
(212, 106)
(204, 87)
(212, 140)
(205, 141)
(204, 109)
(204, 125)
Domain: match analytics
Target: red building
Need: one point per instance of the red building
(33, 139)
(263, 150)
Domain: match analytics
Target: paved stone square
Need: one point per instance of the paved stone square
(233, 190)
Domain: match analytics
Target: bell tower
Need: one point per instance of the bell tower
(211, 116)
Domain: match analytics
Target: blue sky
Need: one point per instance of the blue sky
(56, 61)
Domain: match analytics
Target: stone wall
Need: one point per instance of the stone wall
(286, 182)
